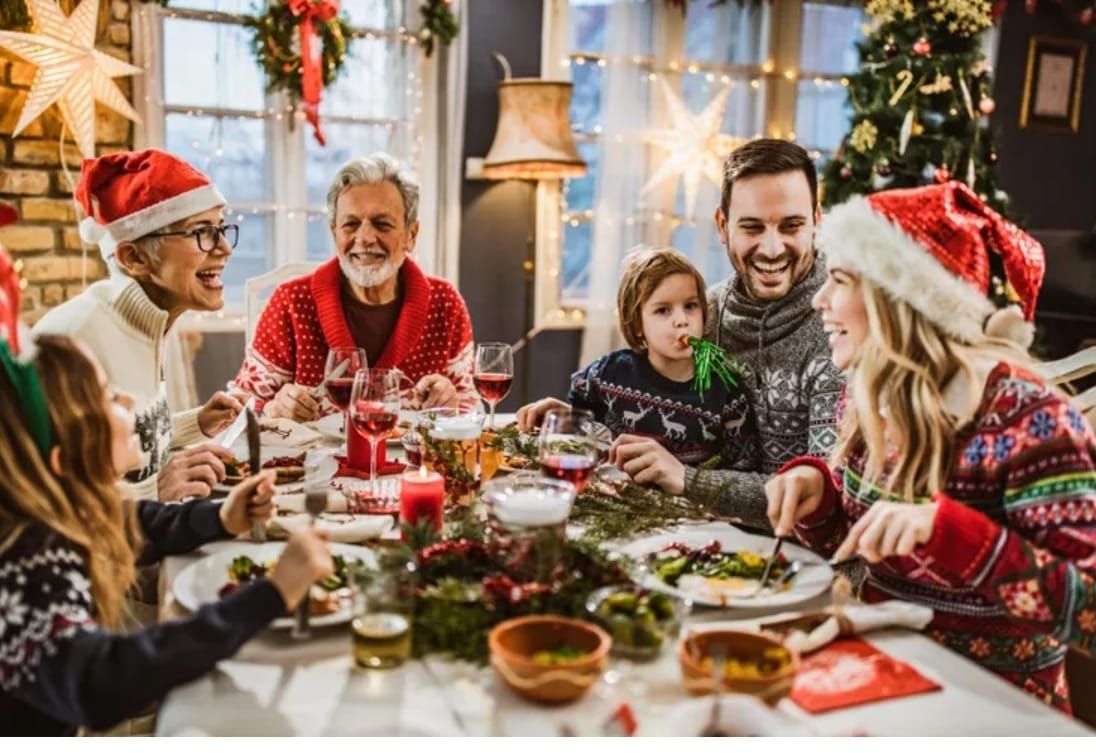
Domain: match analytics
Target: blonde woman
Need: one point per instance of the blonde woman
(68, 544)
(964, 481)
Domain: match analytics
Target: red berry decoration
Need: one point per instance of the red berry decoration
(922, 47)
(846, 173)
(942, 174)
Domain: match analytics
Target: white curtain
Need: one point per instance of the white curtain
(622, 171)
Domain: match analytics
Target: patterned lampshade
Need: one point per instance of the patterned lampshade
(533, 140)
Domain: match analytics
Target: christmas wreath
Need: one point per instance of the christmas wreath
(301, 46)
(438, 23)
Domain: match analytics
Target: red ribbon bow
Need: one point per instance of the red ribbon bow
(311, 58)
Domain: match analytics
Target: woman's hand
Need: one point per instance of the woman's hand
(792, 496)
(250, 501)
(305, 560)
(889, 529)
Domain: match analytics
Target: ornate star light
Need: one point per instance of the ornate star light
(71, 72)
(694, 143)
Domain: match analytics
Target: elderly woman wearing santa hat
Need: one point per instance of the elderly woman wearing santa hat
(964, 481)
(159, 225)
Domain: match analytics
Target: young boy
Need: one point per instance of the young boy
(645, 392)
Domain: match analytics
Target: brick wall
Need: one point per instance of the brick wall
(45, 240)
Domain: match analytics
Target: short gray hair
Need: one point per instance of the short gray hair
(376, 168)
(152, 245)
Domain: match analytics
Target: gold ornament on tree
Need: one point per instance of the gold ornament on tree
(863, 136)
(71, 73)
(696, 147)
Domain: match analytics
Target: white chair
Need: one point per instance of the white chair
(1071, 368)
(1086, 403)
(257, 290)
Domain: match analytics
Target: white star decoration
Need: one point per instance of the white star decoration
(695, 145)
(71, 72)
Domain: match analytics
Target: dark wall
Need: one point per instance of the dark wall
(1051, 180)
(497, 217)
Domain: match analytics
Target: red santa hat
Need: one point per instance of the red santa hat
(9, 286)
(931, 247)
(129, 195)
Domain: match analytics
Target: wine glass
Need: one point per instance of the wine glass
(338, 374)
(493, 374)
(568, 450)
(374, 410)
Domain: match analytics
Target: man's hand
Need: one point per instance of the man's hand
(792, 496)
(192, 472)
(889, 529)
(250, 501)
(648, 462)
(293, 401)
(219, 413)
(434, 391)
(530, 416)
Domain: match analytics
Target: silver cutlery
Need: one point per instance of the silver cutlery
(769, 564)
(315, 503)
(255, 464)
(233, 432)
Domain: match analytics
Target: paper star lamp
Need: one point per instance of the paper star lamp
(71, 73)
(696, 147)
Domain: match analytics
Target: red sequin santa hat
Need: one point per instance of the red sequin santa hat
(931, 247)
(129, 195)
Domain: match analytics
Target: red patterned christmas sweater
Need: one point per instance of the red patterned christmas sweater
(1009, 568)
(304, 319)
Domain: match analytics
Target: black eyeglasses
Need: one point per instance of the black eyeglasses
(207, 236)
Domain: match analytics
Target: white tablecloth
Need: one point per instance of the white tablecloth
(275, 686)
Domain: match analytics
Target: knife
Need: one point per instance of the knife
(254, 464)
(233, 432)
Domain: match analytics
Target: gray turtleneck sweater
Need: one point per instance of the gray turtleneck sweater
(790, 381)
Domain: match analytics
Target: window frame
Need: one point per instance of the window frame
(779, 74)
(286, 149)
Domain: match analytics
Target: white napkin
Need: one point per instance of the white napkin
(853, 619)
(336, 502)
(346, 529)
(284, 432)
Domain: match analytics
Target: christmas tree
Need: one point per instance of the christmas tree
(919, 103)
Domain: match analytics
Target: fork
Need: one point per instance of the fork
(315, 503)
(769, 564)
(719, 667)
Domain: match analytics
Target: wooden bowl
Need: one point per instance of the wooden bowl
(769, 686)
(513, 644)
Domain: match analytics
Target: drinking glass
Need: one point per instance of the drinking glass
(493, 374)
(384, 608)
(374, 410)
(567, 448)
(338, 374)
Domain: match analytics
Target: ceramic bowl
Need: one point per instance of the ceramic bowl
(515, 643)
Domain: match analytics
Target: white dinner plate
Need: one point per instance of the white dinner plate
(812, 580)
(199, 582)
(326, 469)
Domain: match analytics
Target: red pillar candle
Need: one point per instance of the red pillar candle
(422, 495)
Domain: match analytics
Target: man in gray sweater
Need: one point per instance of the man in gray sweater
(762, 316)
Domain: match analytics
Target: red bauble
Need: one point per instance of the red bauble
(846, 173)
(1031, 5)
(986, 106)
(1086, 16)
(922, 47)
(942, 174)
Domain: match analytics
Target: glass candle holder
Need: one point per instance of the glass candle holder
(451, 448)
(384, 610)
(527, 523)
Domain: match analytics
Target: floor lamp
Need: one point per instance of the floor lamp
(533, 142)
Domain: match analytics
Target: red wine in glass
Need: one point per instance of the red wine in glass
(574, 468)
(372, 421)
(338, 391)
(493, 387)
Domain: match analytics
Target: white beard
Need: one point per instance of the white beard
(371, 277)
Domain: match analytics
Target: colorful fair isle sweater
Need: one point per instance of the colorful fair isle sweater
(304, 319)
(627, 394)
(60, 670)
(1009, 569)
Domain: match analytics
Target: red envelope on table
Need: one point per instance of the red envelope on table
(850, 672)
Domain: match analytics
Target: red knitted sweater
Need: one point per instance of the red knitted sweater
(1009, 567)
(304, 318)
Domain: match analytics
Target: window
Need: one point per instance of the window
(778, 84)
(206, 102)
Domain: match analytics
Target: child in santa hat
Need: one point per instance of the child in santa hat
(159, 225)
(964, 481)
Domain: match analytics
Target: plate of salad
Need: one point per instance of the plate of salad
(723, 568)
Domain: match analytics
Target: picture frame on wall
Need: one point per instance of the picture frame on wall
(1053, 85)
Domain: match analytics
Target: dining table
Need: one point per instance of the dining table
(279, 686)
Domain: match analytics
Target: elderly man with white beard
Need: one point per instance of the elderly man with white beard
(371, 295)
